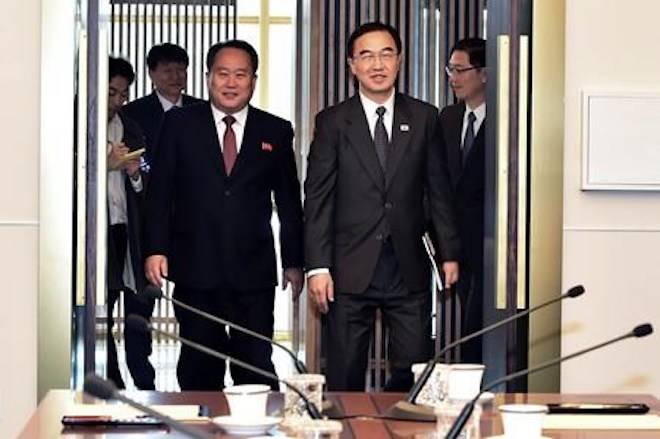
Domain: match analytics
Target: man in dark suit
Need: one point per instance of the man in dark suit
(168, 71)
(124, 263)
(372, 159)
(463, 134)
(209, 208)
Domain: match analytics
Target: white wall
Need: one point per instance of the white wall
(611, 239)
(19, 152)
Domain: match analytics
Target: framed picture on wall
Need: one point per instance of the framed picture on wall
(621, 140)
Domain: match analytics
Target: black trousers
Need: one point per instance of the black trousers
(251, 309)
(470, 293)
(138, 344)
(350, 320)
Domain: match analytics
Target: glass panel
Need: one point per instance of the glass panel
(249, 8)
(281, 70)
(282, 8)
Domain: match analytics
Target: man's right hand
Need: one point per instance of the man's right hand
(155, 268)
(321, 290)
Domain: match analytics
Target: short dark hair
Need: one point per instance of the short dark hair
(164, 53)
(120, 67)
(374, 26)
(475, 49)
(234, 44)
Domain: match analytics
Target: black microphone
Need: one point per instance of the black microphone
(462, 418)
(106, 390)
(408, 410)
(139, 323)
(153, 292)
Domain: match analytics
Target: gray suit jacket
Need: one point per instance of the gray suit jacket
(351, 205)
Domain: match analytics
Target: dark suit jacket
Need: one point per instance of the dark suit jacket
(134, 139)
(467, 181)
(148, 113)
(351, 204)
(215, 229)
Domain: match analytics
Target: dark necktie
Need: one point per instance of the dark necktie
(229, 144)
(380, 138)
(468, 140)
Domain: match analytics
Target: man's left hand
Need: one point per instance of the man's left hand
(450, 270)
(294, 276)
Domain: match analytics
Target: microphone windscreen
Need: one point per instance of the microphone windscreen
(643, 330)
(575, 291)
(98, 387)
(137, 323)
(152, 292)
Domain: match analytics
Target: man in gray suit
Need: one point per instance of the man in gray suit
(373, 159)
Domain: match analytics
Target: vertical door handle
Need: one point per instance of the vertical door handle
(502, 170)
(523, 134)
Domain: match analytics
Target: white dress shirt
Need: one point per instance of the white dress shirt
(116, 188)
(167, 104)
(238, 126)
(370, 107)
(117, 211)
(479, 113)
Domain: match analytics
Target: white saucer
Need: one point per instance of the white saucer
(244, 426)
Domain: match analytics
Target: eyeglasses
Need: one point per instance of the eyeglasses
(369, 58)
(452, 70)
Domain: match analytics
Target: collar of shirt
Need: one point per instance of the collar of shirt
(238, 126)
(479, 113)
(370, 107)
(167, 104)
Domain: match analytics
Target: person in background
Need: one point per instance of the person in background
(168, 71)
(125, 185)
(463, 135)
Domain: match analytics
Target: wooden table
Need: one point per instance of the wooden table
(45, 422)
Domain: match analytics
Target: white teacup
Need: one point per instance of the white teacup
(247, 400)
(523, 421)
(464, 381)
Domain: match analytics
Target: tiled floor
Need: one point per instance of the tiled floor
(164, 358)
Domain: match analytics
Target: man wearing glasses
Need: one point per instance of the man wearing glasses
(372, 159)
(463, 132)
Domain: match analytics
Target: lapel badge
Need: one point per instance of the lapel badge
(265, 146)
(404, 127)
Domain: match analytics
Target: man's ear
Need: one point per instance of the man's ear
(483, 75)
(351, 65)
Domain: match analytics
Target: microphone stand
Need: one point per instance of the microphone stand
(151, 291)
(106, 390)
(410, 411)
(140, 323)
(639, 331)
